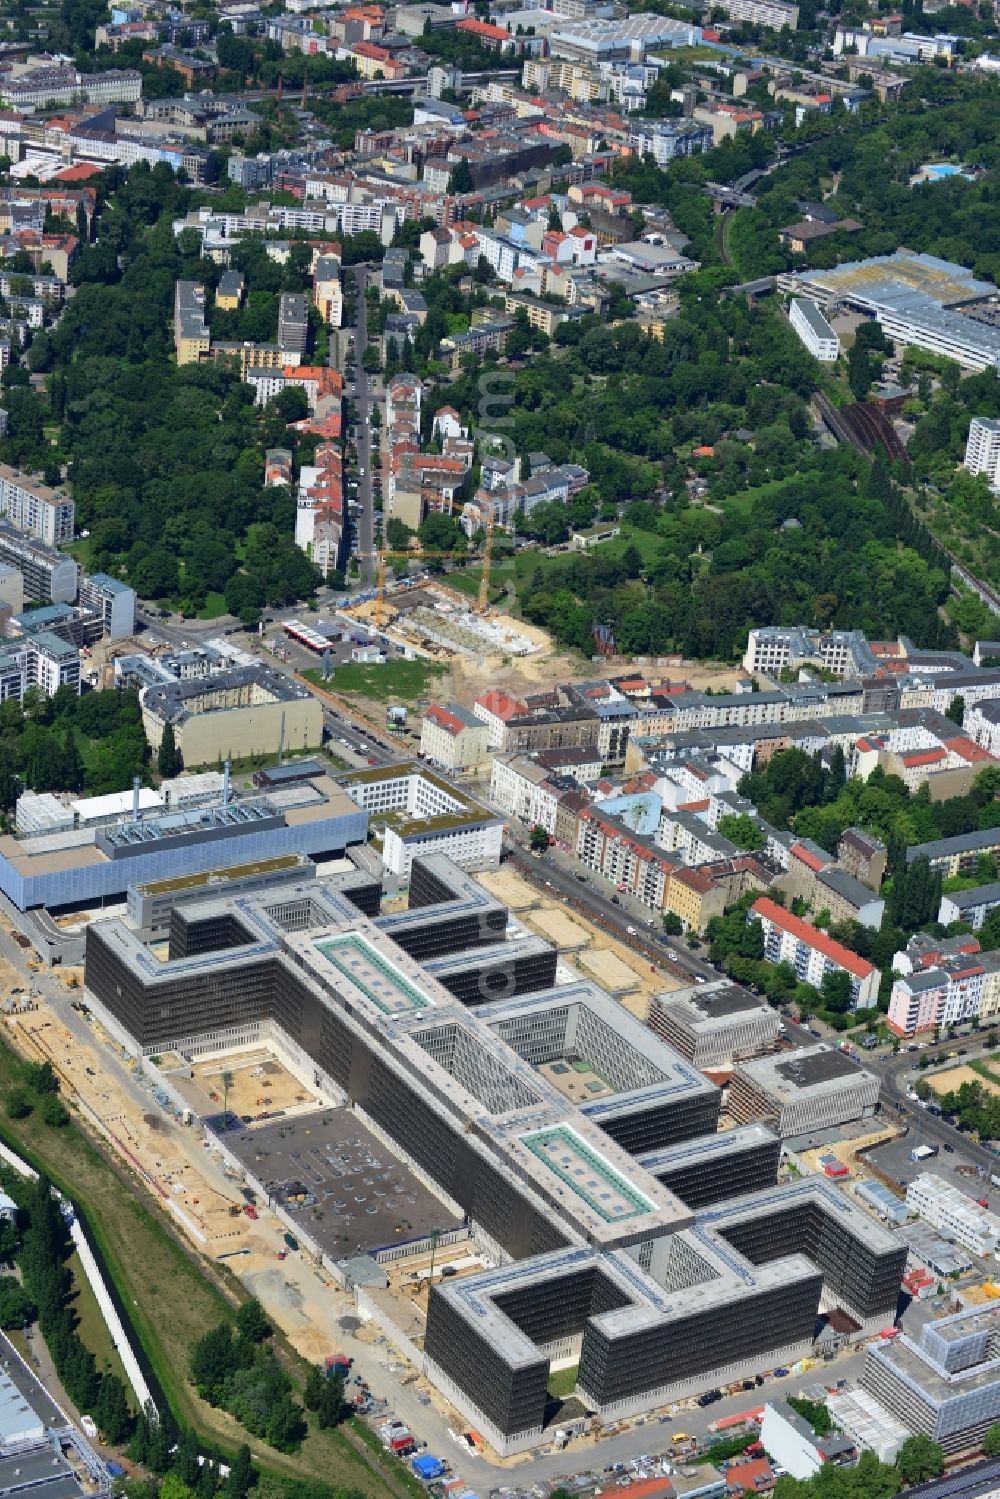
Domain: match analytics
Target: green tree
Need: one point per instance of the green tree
(17, 1309)
(460, 180)
(835, 989)
(251, 1323)
(956, 709)
(169, 761)
(538, 838)
(919, 1459)
(991, 1441)
(859, 371)
(740, 828)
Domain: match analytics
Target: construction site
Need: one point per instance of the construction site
(436, 622)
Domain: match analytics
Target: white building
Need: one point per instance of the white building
(417, 812)
(664, 141)
(789, 939)
(113, 600)
(453, 737)
(771, 13)
(814, 330)
(982, 451)
(946, 1208)
(789, 1440)
(35, 508)
(524, 790)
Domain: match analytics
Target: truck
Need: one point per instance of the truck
(923, 1152)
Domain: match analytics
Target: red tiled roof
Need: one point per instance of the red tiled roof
(967, 748)
(923, 757)
(501, 705)
(445, 720)
(756, 1474)
(698, 806)
(769, 910)
(808, 858)
(483, 28)
(79, 172)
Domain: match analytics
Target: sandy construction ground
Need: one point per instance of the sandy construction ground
(948, 1082)
(627, 975)
(610, 971)
(847, 1150)
(259, 1083)
(565, 931)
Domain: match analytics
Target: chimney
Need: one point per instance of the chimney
(225, 783)
(136, 783)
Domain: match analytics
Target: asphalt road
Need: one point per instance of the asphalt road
(365, 516)
(933, 1130)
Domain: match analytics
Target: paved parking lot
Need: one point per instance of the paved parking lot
(348, 1190)
(894, 1160)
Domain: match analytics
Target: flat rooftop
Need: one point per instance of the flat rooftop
(379, 980)
(805, 1071)
(345, 1186)
(586, 1173)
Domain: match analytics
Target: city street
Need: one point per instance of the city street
(365, 515)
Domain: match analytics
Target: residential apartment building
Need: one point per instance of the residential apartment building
(47, 514)
(937, 997)
(327, 290)
(293, 322)
(982, 723)
(862, 855)
(113, 601)
(453, 737)
(191, 336)
(38, 87)
(982, 450)
(771, 13)
(789, 939)
(665, 141)
(972, 906)
(49, 575)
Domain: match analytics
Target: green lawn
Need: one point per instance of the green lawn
(465, 582)
(213, 607)
(81, 551)
(395, 679)
(563, 1382)
(91, 1325)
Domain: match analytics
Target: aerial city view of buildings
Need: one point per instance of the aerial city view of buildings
(499, 749)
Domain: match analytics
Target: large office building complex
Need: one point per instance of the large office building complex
(917, 299)
(97, 849)
(811, 1088)
(621, 1231)
(715, 1024)
(946, 1384)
